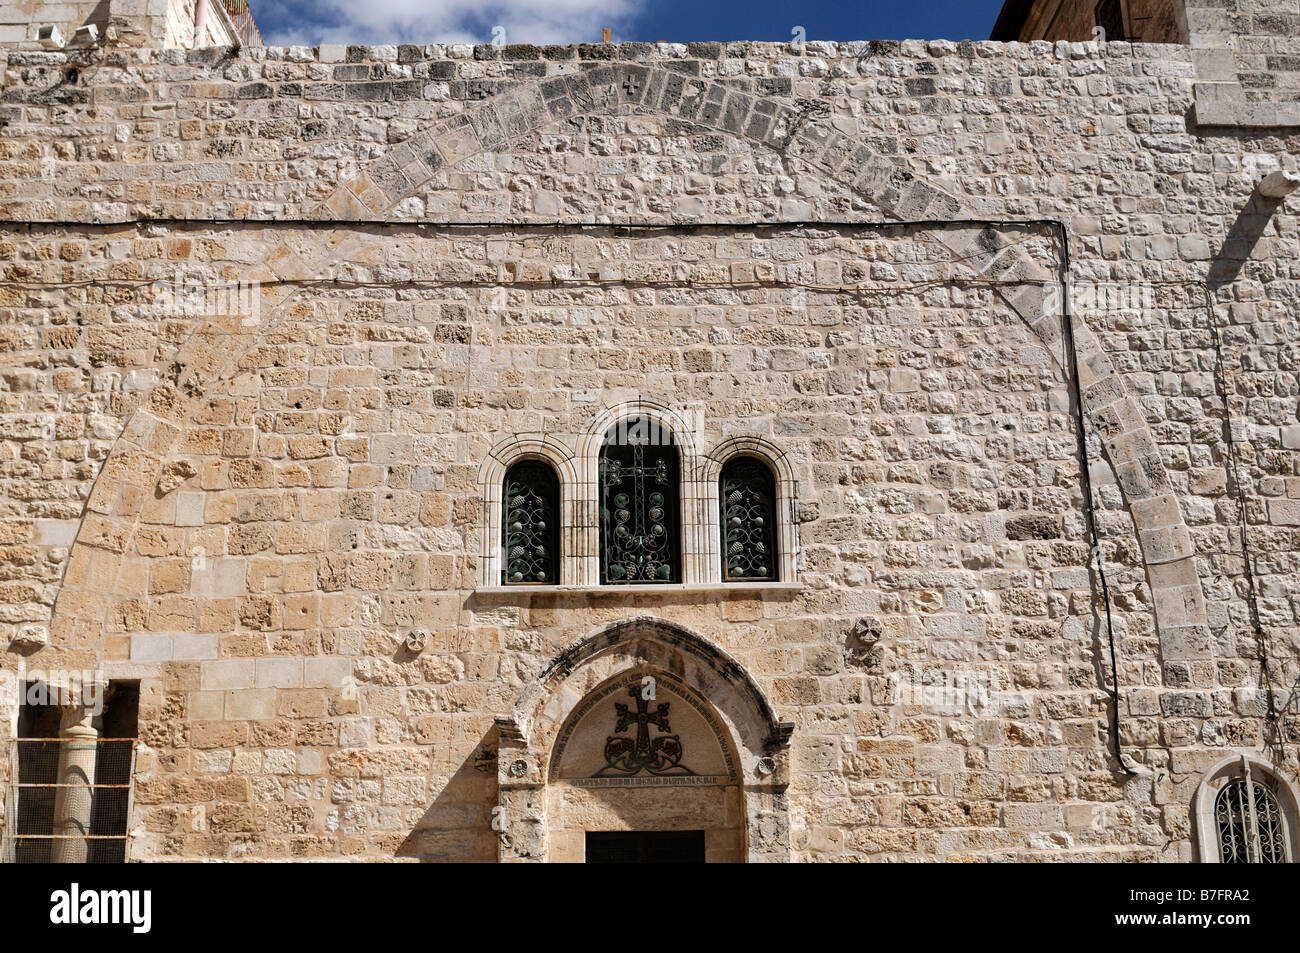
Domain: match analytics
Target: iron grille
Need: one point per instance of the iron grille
(33, 794)
(1250, 824)
(748, 501)
(638, 511)
(530, 525)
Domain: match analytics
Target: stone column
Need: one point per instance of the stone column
(766, 802)
(72, 804)
(520, 820)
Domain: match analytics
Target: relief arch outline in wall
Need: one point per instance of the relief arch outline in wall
(528, 737)
(151, 436)
(1129, 444)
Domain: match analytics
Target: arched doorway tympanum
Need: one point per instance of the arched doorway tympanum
(647, 731)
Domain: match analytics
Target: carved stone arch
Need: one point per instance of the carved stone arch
(1032, 291)
(647, 88)
(757, 731)
(150, 438)
(694, 553)
(1237, 767)
(500, 458)
(527, 737)
(589, 443)
(787, 500)
(750, 445)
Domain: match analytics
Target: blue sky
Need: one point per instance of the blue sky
(580, 21)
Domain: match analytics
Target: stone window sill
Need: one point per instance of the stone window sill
(709, 588)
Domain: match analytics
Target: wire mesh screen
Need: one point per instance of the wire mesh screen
(69, 800)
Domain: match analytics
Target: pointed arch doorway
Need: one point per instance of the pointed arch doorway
(643, 741)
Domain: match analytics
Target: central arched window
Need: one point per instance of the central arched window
(530, 525)
(639, 507)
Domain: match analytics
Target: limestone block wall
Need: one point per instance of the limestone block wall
(135, 23)
(248, 503)
(1246, 59)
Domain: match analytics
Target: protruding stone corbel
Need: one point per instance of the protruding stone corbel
(1278, 185)
(780, 737)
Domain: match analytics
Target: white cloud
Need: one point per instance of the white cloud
(455, 21)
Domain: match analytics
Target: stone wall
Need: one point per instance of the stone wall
(1246, 54)
(250, 506)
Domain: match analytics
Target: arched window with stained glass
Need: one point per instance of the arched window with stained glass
(530, 525)
(747, 498)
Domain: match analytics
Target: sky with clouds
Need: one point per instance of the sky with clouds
(312, 22)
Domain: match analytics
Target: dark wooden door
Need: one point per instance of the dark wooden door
(645, 847)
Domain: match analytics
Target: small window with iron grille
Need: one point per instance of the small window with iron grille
(1246, 813)
(747, 497)
(1250, 824)
(530, 525)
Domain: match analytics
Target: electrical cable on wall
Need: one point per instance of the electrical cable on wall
(1274, 734)
(1085, 477)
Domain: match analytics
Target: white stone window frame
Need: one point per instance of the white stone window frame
(787, 497)
(690, 490)
(1237, 768)
(579, 476)
(491, 480)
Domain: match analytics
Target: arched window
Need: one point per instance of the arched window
(747, 500)
(639, 508)
(1249, 823)
(530, 525)
(1246, 813)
